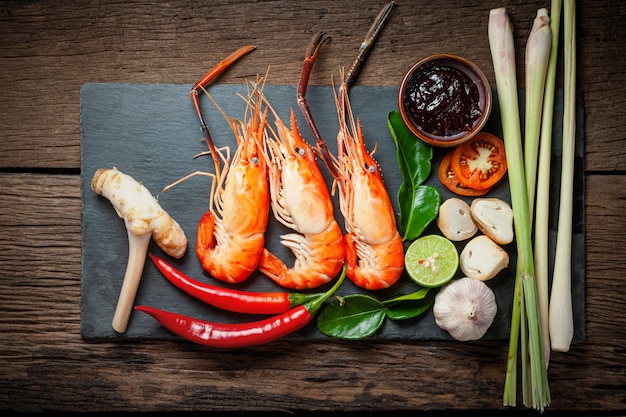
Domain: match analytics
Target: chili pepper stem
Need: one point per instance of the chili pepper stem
(295, 299)
(342, 300)
(314, 305)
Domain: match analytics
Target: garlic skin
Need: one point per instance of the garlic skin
(465, 308)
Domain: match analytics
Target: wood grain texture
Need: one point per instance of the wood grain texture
(46, 363)
(48, 49)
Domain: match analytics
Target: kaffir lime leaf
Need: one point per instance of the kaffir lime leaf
(431, 261)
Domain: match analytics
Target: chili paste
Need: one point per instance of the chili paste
(442, 100)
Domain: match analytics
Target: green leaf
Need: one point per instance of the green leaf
(419, 204)
(418, 207)
(418, 295)
(411, 305)
(413, 155)
(359, 316)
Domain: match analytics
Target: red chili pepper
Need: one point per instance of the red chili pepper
(234, 335)
(232, 300)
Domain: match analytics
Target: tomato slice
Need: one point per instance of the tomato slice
(452, 183)
(481, 162)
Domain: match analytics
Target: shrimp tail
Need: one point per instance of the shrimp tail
(351, 258)
(205, 237)
(273, 267)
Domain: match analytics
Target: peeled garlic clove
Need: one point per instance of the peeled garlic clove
(465, 308)
(494, 217)
(482, 258)
(455, 220)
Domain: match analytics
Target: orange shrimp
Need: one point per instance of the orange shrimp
(374, 249)
(231, 234)
(301, 201)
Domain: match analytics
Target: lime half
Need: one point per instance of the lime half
(431, 260)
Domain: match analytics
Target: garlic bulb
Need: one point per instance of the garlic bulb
(465, 308)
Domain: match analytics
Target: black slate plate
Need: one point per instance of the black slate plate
(151, 132)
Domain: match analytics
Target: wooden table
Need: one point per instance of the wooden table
(49, 48)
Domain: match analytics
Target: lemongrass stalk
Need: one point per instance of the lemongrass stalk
(561, 314)
(542, 209)
(524, 355)
(537, 57)
(536, 64)
(503, 56)
(510, 379)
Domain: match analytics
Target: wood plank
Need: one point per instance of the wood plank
(45, 365)
(50, 48)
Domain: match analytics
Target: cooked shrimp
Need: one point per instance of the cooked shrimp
(231, 234)
(301, 201)
(374, 250)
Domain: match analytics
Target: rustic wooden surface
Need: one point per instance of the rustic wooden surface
(49, 48)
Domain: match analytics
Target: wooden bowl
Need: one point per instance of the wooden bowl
(444, 100)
